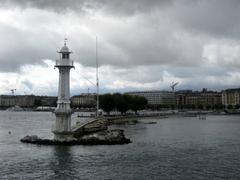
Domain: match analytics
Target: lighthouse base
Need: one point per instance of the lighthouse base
(62, 129)
(63, 136)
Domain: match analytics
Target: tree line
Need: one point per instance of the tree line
(121, 102)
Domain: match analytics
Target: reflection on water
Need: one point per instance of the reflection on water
(62, 163)
(174, 148)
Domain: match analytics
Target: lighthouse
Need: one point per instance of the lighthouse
(62, 129)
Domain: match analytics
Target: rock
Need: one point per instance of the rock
(115, 136)
(130, 123)
(150, 122)
(32, 138)
(91, 126)
(107, 137)
(124, 121)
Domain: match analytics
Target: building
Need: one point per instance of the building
(27, 101)
(231, 97)
(19, 100)
(50, 101)
(201, 100)
(84, 100)
(164, 98)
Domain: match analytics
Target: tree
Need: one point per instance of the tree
(137, 103)
(230, 106)
(121, 102)
(193, 106)
(237, 106)
(218, 106)
(106, 102)
(200, 106)
(37, 102)
(208, 107)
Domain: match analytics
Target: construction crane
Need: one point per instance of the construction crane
(173, 85)
(12, 91)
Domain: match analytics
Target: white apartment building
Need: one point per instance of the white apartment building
(84, 99)
(231, 97)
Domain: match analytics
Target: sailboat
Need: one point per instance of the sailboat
(97, 80)
(98, 111)
(97, 123)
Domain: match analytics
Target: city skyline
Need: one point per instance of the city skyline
(143, 45)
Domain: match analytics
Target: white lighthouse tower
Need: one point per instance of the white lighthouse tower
(62, 130)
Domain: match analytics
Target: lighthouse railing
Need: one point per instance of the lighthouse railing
(64, 62)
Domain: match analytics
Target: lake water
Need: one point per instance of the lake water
(174, 148)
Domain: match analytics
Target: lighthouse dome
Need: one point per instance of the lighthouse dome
(64, 49)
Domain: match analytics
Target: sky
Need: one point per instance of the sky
(142, 44)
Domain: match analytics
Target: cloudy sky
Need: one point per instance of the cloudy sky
(143, 44)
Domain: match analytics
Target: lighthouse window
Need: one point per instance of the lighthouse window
(65, 56)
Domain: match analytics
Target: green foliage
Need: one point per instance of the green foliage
(200, 106)
(122, 102)
(54, 103)
(37, 102)
(137, 103)
(189, 106)
(106, 102)
(172, 106)
(208, 107)
(237, 106)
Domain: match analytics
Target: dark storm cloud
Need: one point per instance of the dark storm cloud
(123, 7)
(218, 17)
(46, 4)
(172, 33)
(215, 17)
(21, 48)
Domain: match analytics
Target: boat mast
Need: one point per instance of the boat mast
(97, 80)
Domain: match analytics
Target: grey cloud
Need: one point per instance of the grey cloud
(159, 35)
(123, 7)
(216, 17)
(195, 72)
(142, 41)
(150, 41)
(21, 48)
(56, 5)
(141, 74)
(126, 7)
(28, 84)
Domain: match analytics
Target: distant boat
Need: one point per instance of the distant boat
(234, 111)
(202, 117)
(15, 108)
(45, 108)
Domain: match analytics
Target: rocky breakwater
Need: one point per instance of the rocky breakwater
(107, 137)
(94, 132)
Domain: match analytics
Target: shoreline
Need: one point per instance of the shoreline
(161, 115)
